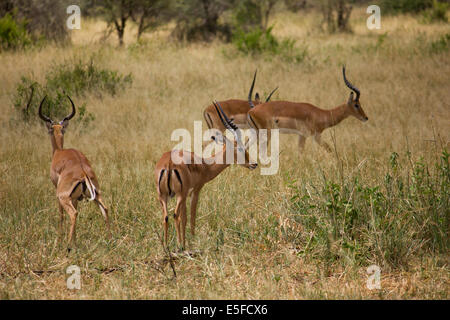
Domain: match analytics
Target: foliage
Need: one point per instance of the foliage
(336, 15)
(13, 34)
(74, 78)
(440, 45)
(437, 13)
(405, 6)
(258, 41)
(385, 223)
(200, 20)
(46, 19)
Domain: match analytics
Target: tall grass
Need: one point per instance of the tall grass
(310, 231)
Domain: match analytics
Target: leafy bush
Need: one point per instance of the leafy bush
(438, 12)
(258, 41)
(440, 45)
(13, 34)
(405, 6)
(386, 224)
(74, 78)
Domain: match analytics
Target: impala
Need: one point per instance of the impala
(187, 177)
(71, 173)
(235, 109)
(304, 119)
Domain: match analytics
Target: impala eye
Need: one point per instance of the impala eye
(357, 106)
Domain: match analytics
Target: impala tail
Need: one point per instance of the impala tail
(169, 181)
(91, 187)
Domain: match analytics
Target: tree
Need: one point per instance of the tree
(44, 18)
(199, 19)
(336, 14)
(148, 14)
(116, 14)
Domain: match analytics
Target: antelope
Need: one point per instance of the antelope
(304, 119)
(188, 177)
(235, 109)
(71, 173)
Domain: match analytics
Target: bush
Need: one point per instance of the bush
(440, 45)
(405, 6)
(437, 13)
(74, 78)
(13, 34)
(258, 41)
(386, 223)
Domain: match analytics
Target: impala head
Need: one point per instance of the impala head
(239, 148)
(257, 99)
(353, 102)
(56, 129)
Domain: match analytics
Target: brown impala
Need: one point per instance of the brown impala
(235, 109)
(185, 179)
(304, 119)
(71, 173)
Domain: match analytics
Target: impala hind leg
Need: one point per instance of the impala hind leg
(70, 207)
(61, 220)
(163, 202)
(180, 220)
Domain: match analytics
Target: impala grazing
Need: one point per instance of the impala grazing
(235, 109)
(72, 175)
(188, 177)
(304, 119)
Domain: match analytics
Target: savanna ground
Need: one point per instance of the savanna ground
(258, 237)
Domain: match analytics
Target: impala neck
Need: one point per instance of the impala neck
(214, 169)
(336, 115)
(57, 142)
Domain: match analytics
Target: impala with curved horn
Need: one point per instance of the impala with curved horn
(304, 119)
(71, 173)
(236, 109)
(188, 177)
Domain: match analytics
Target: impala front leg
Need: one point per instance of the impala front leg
(301, 143)
(194, 201)
(323, 144)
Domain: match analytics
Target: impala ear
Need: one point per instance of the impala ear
(49, 125)
(65, 123)
(350, 99)
(218, 138)
(257, 99)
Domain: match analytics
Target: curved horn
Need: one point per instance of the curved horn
(229, 124)
(70, 116)
(31, 97)
(352, 87)
(45, 118)
(270, 95)
(250, 102)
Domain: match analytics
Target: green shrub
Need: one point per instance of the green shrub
(440, 45)
(386, 223)
(263, 42)
(405, 6)
(437, 13)
(13, 34)
(74, 78)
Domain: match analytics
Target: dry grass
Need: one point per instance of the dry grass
(405, 93)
